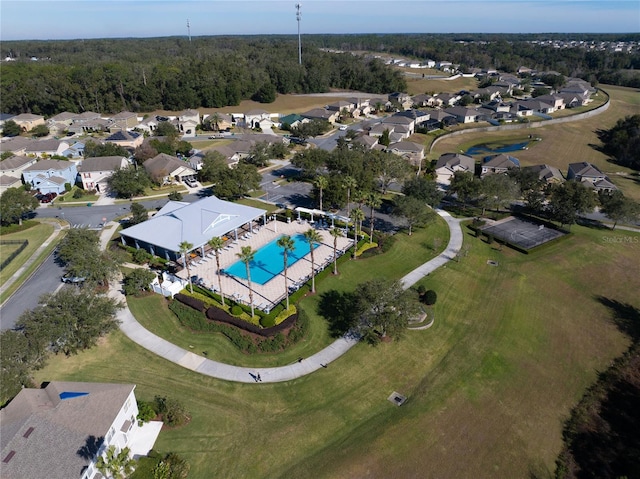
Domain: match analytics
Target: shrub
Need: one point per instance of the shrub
(237, 310)
(268, 321)
(146, 412)
(140, 256)
(172, 411)
(79, 193)
(196, 304)
(430, 297)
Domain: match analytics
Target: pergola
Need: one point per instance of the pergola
(332, 216)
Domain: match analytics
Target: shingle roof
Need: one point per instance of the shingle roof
(502, 161)
(123, 135)
(46, 165)
(102, 163)
(450, 160)
(48, 433)
(163, 164)
(585, 169)
(14, 162)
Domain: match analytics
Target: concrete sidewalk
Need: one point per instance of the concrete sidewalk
(134, 331)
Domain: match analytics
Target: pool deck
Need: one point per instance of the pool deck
(266, 296)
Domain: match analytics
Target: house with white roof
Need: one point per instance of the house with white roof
(59, 431)
(195, 223)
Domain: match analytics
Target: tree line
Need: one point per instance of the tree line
(108, 76)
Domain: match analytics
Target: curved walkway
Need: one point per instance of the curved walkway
(134, 331)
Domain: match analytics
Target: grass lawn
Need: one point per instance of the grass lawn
(567, 143)
(512, 349)
(35, 235)
(409, 252)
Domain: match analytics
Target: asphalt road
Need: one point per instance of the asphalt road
(46, 279)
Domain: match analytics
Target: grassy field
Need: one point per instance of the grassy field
(567, 143)
(36, 236)
(488, 386)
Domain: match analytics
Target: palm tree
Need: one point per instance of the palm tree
(374, 200)
(247, 255)
(357, 216)
(349, 182)
(217, 244)
(215, 121)
(116, 464)
(312, 237)
(286, 243)
(185, 247)
(336, 233)
(321, 183)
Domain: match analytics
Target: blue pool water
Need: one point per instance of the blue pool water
(478, 149)
(269, 261)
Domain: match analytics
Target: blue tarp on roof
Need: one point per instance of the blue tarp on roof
(72, 394)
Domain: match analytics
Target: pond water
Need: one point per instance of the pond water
(487, 148)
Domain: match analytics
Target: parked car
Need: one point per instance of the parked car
(342, 127)
(70, 279)
(47, 197)
(191, 183)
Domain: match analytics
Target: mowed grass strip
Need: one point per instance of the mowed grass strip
(36, 235)
(512, 349)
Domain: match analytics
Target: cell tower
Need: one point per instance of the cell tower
(298, 18)
(189, 30)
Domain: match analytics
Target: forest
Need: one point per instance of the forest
(173, 73)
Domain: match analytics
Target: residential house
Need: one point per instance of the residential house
(188, 120)
(59, 123)
(342, 106)
(94, 172)
(362, 106)
(126, 139)
(125, 120)
(444, 66)
(548, 173)
(16, 164)
(412, 152)
(553, 99)
(88, 122)
(50, 176)
(590, 175)
(369, 142)
(407, 121)
(16, 145)
(419, 117)
(230, 154)
(75, 151)
(520, 109)
(46, 148)
(148, 124)
(440, 119)
(424, 99)
(166, 169)
(448, 99)
(7, 182)
(321, 114)
(252, 118)
(498, 164)
(293, 120)
(402, 99)
(28, 121)
(463, 114)
(60, 431)
(225, 121)
(449, 163)
(537, 106)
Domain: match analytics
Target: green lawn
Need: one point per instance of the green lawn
(410, 252)
(512, 349)
(36, 236)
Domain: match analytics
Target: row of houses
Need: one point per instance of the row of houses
(588, 174)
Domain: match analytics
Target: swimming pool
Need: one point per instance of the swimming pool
(269, 261)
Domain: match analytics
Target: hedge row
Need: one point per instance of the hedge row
(217, 314)
(196, 321)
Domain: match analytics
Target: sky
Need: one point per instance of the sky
(74, 19)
